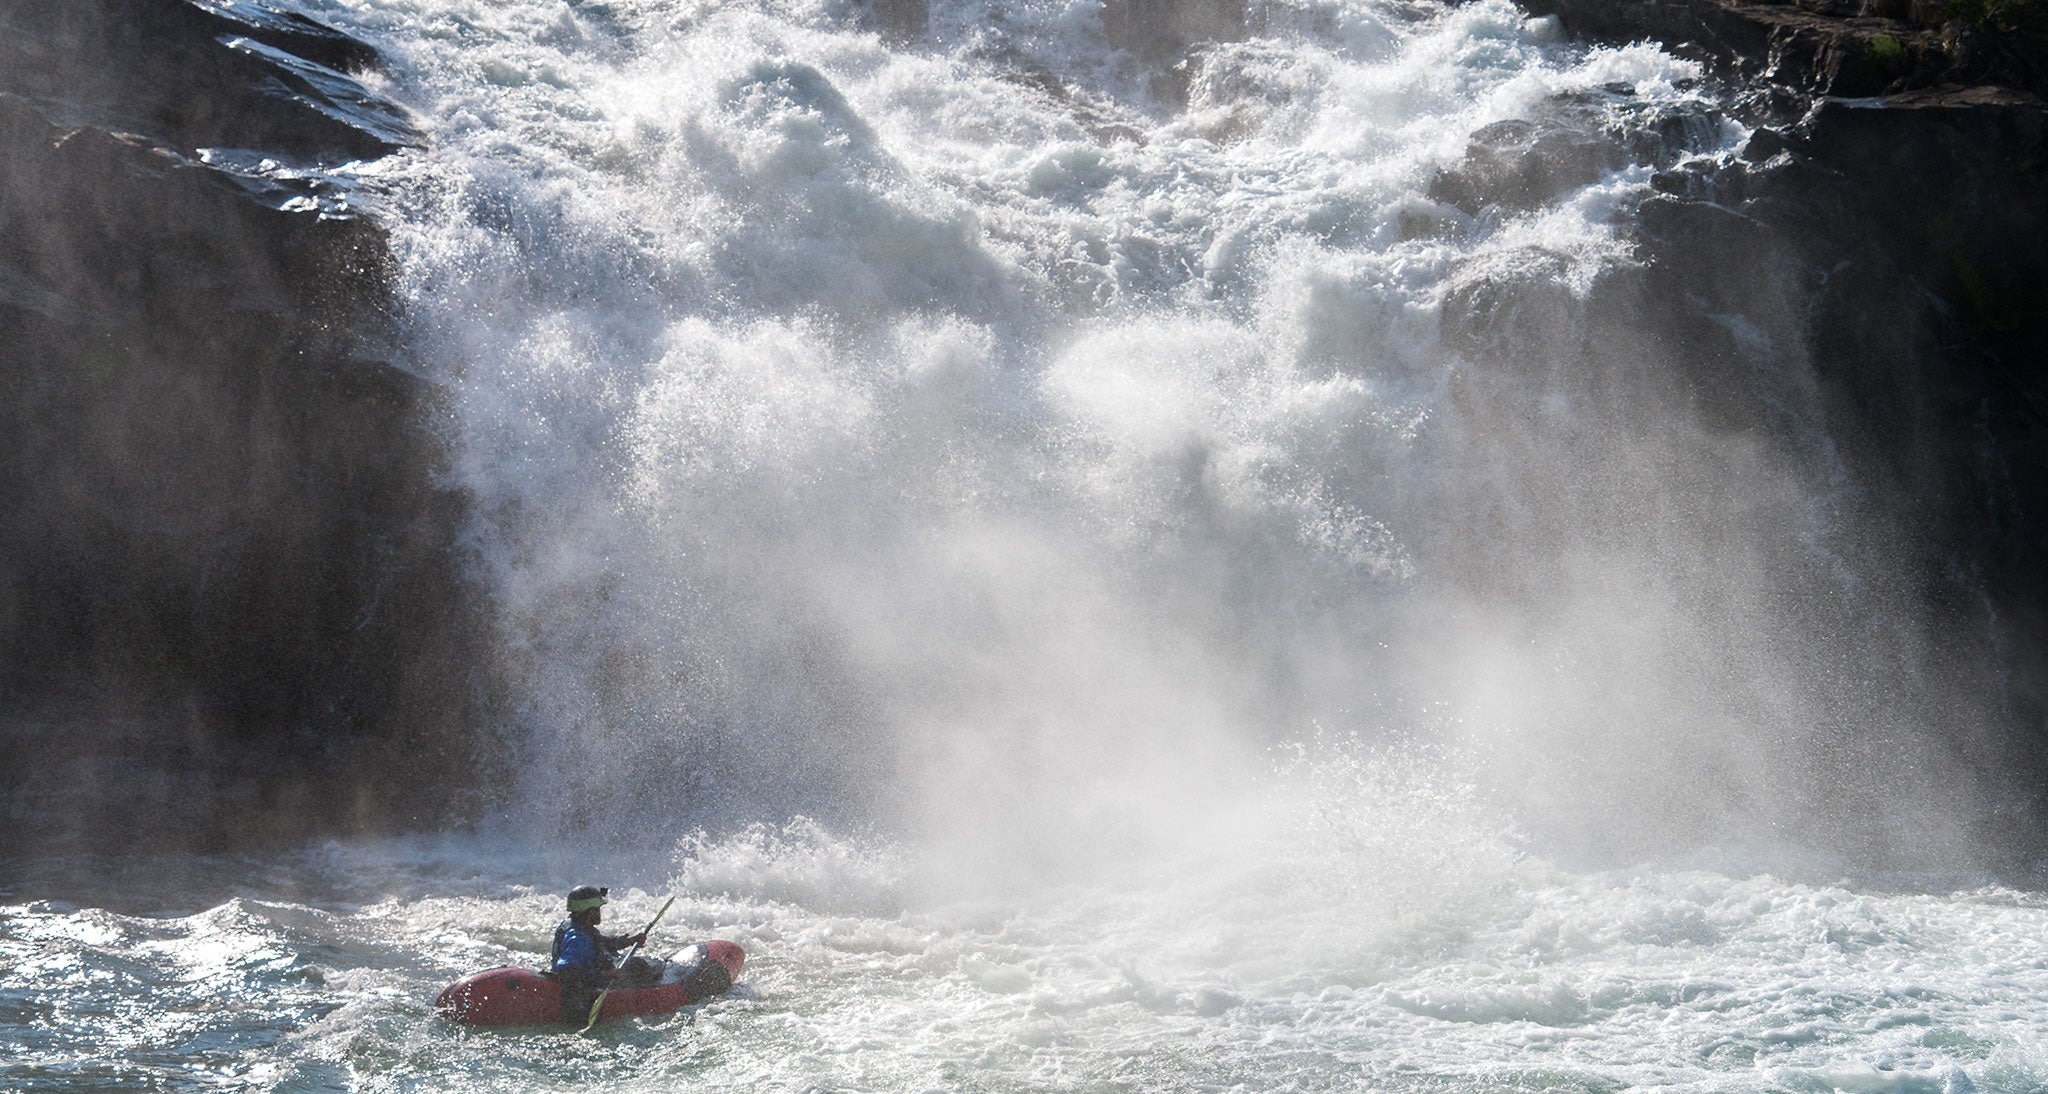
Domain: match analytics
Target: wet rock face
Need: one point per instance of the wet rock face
(228, 608)
(1166, 34)
(1163, 30)
(899, 20)
(1573, 140)
(1923, 220)
(1521, 165)
(1888, 245)
(1837, 47)
(198, 73)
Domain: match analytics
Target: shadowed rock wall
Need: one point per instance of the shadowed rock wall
(229, 606)
(1880, 237)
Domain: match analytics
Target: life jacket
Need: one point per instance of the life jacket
(594, 953)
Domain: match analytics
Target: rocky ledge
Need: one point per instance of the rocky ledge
(1836, 47)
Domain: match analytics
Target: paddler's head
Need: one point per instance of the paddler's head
(586, 904)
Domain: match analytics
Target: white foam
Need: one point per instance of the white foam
(874, 432)
(1374, 931)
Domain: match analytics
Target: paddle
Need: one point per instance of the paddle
(599, 1005)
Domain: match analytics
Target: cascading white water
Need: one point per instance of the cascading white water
(1098, 592)
(953, 436)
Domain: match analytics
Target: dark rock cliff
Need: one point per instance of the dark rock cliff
(1883, 229)
(229, 608)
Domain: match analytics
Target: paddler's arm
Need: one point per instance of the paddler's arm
(620, 943)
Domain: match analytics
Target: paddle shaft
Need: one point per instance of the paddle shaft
(599, 1005)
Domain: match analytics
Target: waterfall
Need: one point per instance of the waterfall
(1001, 436)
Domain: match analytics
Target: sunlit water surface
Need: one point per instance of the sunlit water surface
(1340, 962)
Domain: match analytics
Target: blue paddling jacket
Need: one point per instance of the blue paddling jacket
(584, 948)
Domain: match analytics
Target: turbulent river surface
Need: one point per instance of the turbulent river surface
(1347, 961)
(1102, 569)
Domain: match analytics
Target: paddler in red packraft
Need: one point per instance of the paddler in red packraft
(585, 957)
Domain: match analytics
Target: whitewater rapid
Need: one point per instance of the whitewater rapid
(1429, 968)
(1100, 574)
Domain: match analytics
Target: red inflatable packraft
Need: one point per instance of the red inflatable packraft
(522, 997)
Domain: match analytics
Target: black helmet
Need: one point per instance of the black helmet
(585, 897)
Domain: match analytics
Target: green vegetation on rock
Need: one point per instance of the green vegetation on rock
(2019, 26)
(2005, 16)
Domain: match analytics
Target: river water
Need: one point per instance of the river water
(1100, 573)
(1363, 960)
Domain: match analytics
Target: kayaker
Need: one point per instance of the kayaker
(585, 957)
